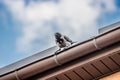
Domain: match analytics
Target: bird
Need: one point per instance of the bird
(62, 41)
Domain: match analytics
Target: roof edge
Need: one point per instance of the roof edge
(72, 53)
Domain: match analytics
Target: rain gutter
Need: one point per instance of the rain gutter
(74, 52)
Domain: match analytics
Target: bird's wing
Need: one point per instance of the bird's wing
(68, 39)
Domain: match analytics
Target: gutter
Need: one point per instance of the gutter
(75, 52)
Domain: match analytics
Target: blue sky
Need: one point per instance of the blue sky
(28, 26)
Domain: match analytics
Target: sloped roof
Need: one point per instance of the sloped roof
(93, 66)
(109, 28)
(27, 61)
(43, 56)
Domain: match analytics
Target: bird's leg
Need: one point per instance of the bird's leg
(58, 50)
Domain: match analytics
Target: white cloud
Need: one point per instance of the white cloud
(76, 18)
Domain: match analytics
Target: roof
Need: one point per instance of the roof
(43, 56)
(93, 66)
(27, 61)
(109, 28)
